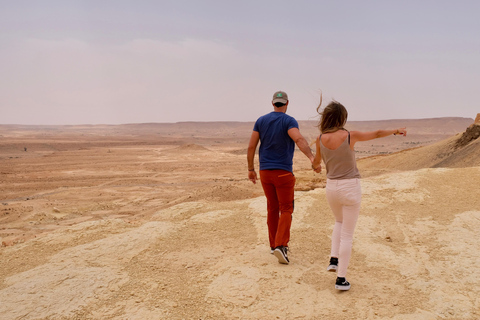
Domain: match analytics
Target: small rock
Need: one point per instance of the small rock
(7, 243)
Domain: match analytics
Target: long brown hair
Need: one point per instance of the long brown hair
(333, 117)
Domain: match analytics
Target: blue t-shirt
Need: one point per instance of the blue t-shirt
(276, 146)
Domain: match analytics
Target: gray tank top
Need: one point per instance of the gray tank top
(340, 163)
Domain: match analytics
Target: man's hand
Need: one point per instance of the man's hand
(252, 176)
(252, 146)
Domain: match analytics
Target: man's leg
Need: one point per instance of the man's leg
(285, 183)
(272, 205)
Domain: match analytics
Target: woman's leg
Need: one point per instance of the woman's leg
(336, 206)
(351, 199)
(350, 217)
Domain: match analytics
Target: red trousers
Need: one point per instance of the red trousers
(278, 186)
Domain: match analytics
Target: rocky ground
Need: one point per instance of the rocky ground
(162, 223)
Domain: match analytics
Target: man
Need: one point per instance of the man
(278, 133)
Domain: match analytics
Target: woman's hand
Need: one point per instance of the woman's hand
(317, 169)
(401, 131)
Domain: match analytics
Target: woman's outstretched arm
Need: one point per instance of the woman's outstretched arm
(356, 136)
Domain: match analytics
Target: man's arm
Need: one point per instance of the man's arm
(252, 147)
(301, 143)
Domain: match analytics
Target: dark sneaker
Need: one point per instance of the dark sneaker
(342, 284)
(273, 249)
(333, 264)
(281, 254)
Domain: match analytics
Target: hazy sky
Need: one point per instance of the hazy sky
(112, 62)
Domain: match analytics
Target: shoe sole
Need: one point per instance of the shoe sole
(281, 258)
(343, 288)
(332, 268)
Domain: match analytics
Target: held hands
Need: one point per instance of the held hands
(316, 169)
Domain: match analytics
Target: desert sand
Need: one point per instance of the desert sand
(159, 221)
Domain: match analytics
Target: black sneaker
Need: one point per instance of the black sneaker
(333, 264)
(342, 284)
(273, 249)
(281, 254)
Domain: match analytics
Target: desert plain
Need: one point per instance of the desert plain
(159, 221)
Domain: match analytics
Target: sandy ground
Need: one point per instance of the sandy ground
(99, 224)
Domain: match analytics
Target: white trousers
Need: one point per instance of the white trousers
(344, 198)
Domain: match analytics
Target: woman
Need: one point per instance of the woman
(335, 146)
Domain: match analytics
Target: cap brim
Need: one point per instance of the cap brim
(282, 100)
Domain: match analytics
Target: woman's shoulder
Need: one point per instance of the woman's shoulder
(339, 134)
(333, 140)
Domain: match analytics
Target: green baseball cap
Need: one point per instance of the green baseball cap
(280, 96)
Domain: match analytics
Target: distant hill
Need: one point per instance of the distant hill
(444, 126)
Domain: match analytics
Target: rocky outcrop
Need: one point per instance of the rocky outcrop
(472, 133)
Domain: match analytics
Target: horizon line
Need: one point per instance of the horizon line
(214, 121)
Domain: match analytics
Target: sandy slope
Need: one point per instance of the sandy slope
(175, 231)
(458, 151)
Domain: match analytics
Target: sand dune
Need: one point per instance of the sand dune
(109, 223)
